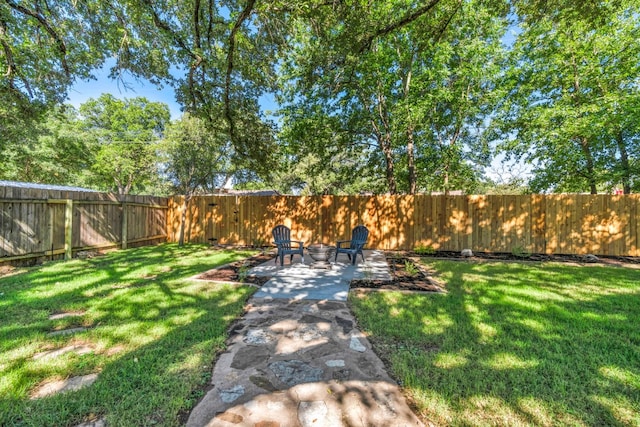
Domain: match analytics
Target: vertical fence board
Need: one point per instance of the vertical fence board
(634, 249)
(4, 219)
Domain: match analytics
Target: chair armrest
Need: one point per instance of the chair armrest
(290, 242)
(340, 242)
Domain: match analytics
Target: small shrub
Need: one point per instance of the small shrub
(520, 252)
(410, 268)
(259, 243)
(424, 250)
(243, 272)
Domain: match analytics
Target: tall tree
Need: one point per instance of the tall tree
(416, 91)
(125, 134)
(52, 151)
(572, 88)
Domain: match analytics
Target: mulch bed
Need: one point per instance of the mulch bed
(621, 261)
(233, 273)
(407, 274)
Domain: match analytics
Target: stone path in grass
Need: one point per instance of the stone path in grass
(297, 359)
(70, 384)
(73, 383)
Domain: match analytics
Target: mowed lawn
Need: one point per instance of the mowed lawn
(515, 344)
(152, 335)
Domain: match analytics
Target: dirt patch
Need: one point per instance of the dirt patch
(236, 272)
(8, 270)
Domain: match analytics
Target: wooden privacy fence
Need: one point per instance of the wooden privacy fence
(38, 223)
(561, 224)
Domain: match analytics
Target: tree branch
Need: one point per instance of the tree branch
(49, 29)
(407, 19)
(444, 27)
(244, 15)
(196, 23)
(160, 24)
(12, 69)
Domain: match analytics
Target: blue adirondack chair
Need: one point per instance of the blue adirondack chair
(286, 246)
(354, 246)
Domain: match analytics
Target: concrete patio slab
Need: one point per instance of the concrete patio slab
(299, 281)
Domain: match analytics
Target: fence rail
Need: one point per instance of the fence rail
(38, 223)
(560, 224)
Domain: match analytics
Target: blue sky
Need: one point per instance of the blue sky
(130, 87)
(81, 91)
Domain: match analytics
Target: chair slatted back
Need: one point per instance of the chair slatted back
(359, 237)
(282, 236)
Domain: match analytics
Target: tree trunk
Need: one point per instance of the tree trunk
(624, 161)
(385, 145)
(411, 167)
(590, 172)
(413, 184)
(183, 219)
(446, 180)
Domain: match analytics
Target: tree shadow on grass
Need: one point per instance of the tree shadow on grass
(35, 291)
(170, 330)
(547, 352)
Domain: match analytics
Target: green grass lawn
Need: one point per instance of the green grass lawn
(153, 335)
(515, 344)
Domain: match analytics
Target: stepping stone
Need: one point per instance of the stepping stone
(342, 374)
(263, 383)
(307, 333)
(249, 356)
(292, 372)
(66, 314)
(316, 413)
(345, 324)
(308, 318)
(356, 345)
(77, 349)
(66, 331)
(231, 394)
(71, 384)
(258, 337)
(97, 423)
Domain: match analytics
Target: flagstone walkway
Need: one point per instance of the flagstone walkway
(297, 359)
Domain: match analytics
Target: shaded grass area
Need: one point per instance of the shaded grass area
(515, 344)
(153, 333)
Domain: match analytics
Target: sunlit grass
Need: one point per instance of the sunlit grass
(515, 344)
(152, 333)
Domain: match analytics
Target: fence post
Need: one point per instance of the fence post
(124, 225)
(48, 237)
(68, 229)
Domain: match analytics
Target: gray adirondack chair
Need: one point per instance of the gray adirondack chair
(286, 246)
(354, 246)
